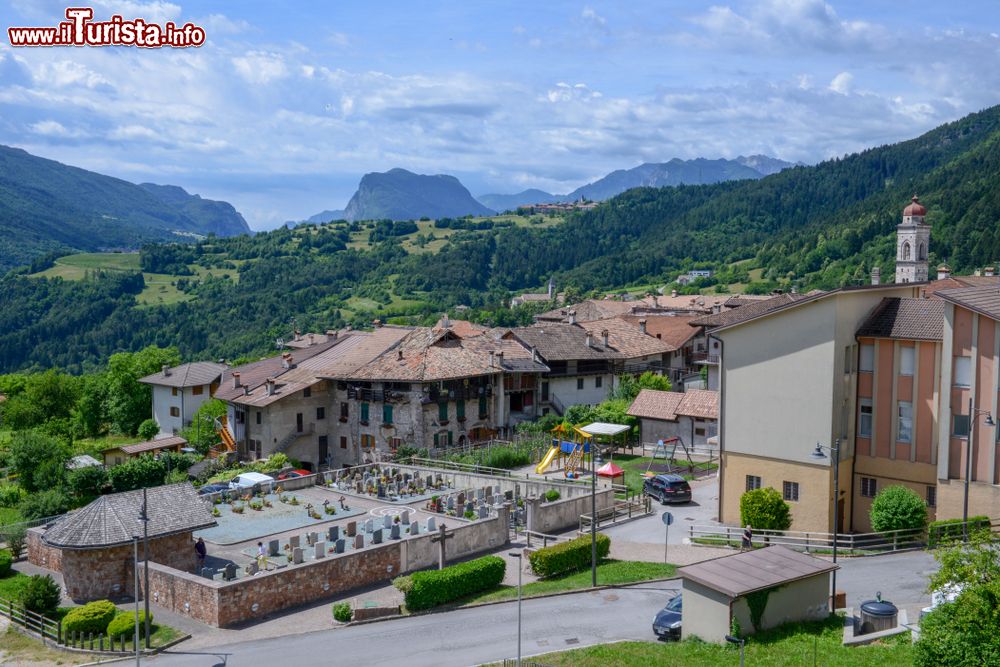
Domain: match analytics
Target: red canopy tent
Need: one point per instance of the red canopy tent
(609, 469)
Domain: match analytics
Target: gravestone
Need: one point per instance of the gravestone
(359, 541)
(273, 548)
(484, 511)
(508, 495)
(489, 500)
(293, 542)
(489, 489)
(311, 538)
(253, 568)
(431, 525)
(208, 573)
(451, 503)
(369, 526)
(394, 532)
(461, 497)
(429, 481)
(386, 521)
(296, 555)
(230, 572)
(359, 487)
(377, 536)
(320, 550)
(338, 546)
(469, 507)
(480, 493)
(406, 517)
(333, 533)
(352, 528)
(415, 528)
(380, 490)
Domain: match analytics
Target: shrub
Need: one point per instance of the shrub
(41, 595)
(15, 537)
(947, 530)
(11, 495)
(92, 617)
(342, 612)
(5, 560)
(123, 625)
(765, 509)
(568, 556)
(962, 632)
(431, 588)
(551, 495)
(87, 482)
(44, 504)
(148, 429)
(898, 508)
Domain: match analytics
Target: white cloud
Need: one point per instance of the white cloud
(51, 128)
(260, 67)
(156, 12)
(842, 83)
(132, 132)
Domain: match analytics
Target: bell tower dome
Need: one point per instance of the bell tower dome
(913, 237)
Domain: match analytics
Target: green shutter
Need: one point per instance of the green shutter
(436, 441)
(449, 438)
(387, 413)
(443, 411)
(364, 412)
(460, 410)
(482, 406)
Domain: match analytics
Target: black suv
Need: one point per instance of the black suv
(668, 489)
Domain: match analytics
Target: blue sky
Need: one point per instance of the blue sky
(288, 104)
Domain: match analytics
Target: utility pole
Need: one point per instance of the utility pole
(144, 517)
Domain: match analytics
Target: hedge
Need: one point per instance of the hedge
(5, 561)
(951, 529)
(568, 556)
(123, 624)
(431, 588)
(342, 612)
(92, 617)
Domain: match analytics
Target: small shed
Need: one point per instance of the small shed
(780, 586)
(611, 471)
(118, 455)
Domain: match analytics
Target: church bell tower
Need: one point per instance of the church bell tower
(913, 237)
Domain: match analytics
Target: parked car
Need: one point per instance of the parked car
(667, 624)
(292, 474)
(668, 489)
(213, 488)
(250, 480)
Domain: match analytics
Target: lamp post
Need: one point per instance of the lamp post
(973, 414)
(819, 453)
(144, 518)
(135, 572)
(740, 642)
(593, 513)
(520, 566)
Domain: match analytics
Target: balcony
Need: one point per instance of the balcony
(705, 358)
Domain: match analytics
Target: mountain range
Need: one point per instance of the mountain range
(48, 206)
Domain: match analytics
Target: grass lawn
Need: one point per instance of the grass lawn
(794, 644)
(18, 649)
(75, 267)
(12, 585)
(609, 572)
(635, 468)
(9, 515)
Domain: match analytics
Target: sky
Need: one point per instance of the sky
(287, 105)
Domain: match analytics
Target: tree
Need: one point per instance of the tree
(44, 504)
(87, 482)
(201, 434)
(41, 595)
(765, 509)
(129, 401)
(962, 633)
(148, 429)
(90, 414)
(967, 564)
(39, 460)
(144, 471)
(628, 386)
(897, 508)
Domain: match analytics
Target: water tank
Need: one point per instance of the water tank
(877, 615)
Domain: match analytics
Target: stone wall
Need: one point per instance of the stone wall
(421, 552)
(565, 513)
(523, 486)
(41, 554)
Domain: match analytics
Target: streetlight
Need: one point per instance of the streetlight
(144, 518)
(973, 413)
(737, 640)
(520, 566)
(135, 572)
(593, 514)
(818, 453)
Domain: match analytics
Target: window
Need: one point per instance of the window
(906, 355)
(922, 251)
(173, 391)
(198, 390)
(904, 422)
(866, 362)
(960, 426)
(320, 413)
(367, 441)
(175, 412)
(869, 487)
(443, 439)
(790, 491)
(258, 417)
(343, 442)
(932, 496)
(906, 250)
(483, 414)
(343, 412)
(963, 372)
(443, 412)
(598, 382)
(865, 418)
(699, 430)
(364, 413)
(386, 413)
(579, 384)
(753, 482)
(307, 392)
(395, 443)
(460, 411)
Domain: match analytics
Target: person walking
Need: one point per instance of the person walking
(747, 538)
(202, 551)
(261, 556)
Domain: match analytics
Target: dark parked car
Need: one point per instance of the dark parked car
(668, 489)
(212, 488)
(667, 624)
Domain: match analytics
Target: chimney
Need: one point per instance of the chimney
(399, 355)
(286, 360)
(492, 354)
(312, 339)
(923, 293)
(589, 340)
(445, 322)
(331, 335)
(236, 380)
(269, 387)
(500, 359)
(534, 354)
(944, 272)
(572, 317)
(604, 337)
(673, 293)
(989, 272)
(876, 276)
(165, 369)
(642, 325)
(298, 334)
(246, 390)
(377, 324)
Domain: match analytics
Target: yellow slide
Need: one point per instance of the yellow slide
(547, 460)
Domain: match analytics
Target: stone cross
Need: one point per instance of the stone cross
(443, 535)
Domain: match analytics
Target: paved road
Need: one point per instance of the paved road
(456, 639)
(901, 578)
(702, 510)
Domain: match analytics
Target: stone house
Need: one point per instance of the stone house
(178, 392)
(692, 416)
(93, 547)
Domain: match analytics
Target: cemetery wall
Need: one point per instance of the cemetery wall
(524, 487)
(565, 513)
(420, 552)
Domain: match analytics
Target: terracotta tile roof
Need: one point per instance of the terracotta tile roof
(113, 519)
(187, 375)
(702, 303)
(556, 341)
(153, 445)
(674, 330)
(955, 282)
(668, 405)
(462, 328)
(906, 319)
(589, 310)
(744, 299)
(755, 570)
(626, 337)
(985, 300)
(748, 311)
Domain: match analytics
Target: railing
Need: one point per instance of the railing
(705, 357)
(859, 544)
(622, 509)
(287, 441)
(11, 528)
(545, 539)
(36, 624)
(557, 404)
(455, 466)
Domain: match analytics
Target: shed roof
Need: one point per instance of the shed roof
(187, 375)
(905, 318)
(601, 428)
(755, 570)
(153, 445)
(113, 520)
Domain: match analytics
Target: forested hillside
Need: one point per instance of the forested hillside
(819, 226)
